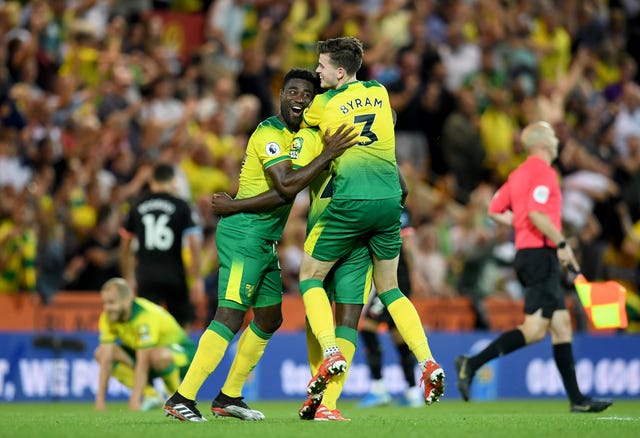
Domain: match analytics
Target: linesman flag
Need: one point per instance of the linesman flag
(604, 302)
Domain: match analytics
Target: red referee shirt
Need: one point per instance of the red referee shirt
(533, 186)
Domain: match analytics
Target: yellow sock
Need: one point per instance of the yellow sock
(408, 322)
(319, 312)
(171, 378)
(125, 375)
(211, 347)
(315, 353)
(347, 339)
(250, 349)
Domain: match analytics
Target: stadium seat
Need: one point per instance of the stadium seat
(446, 314)
(503, 313)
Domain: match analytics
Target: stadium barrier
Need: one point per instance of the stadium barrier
(80, 311)
(56, 366)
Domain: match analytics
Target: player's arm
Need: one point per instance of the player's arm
(126, 255)
(195, 268)
(140, 377)
(288, 182)
(223, 205)
(105, 362)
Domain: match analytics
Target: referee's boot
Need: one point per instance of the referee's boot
(591, 405)
(465, 376)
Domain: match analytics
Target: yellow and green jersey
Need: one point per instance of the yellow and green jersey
(149, 326)
(367, 170)
(268, 145)
(306, 146)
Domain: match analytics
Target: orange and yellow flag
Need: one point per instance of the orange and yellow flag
(604, 302)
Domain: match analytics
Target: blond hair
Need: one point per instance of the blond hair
(120, 285)
(538, 134)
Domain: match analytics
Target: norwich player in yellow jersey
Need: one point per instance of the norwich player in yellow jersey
(366, 204)
(249, 274)
(349, 284)
(139, 341)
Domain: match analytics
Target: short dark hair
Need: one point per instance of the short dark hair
(104, 213)
(304, 74)
(163, 172)
(345, 52)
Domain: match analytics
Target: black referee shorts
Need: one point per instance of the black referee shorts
(538, 270)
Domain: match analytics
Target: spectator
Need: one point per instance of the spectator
(99, 253)
(462, 145)
(406, 98)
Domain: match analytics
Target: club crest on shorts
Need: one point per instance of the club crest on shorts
(272, 149)
(249, 289)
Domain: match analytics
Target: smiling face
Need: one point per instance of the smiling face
(329, 74)
(295, 96)
(116, 306)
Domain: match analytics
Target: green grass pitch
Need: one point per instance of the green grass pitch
(505, 418)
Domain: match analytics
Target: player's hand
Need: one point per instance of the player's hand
(222, 204)
(342, 139)
(134, 405)
(100, 405)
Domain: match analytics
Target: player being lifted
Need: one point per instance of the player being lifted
(366, 205)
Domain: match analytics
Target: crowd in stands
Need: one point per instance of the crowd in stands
(93, 93)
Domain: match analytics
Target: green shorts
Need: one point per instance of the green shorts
(249, 274)
(349, 282)
(182, 356)
(344, 223)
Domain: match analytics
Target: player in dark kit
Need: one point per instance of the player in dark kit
(161, 222)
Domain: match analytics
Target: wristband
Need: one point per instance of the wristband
(562, 244)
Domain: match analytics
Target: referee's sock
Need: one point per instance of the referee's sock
(503, 344)
(563, 355)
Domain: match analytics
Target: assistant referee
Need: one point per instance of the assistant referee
(531, 202)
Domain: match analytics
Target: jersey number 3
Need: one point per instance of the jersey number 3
(366, 131)
(157, 234)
